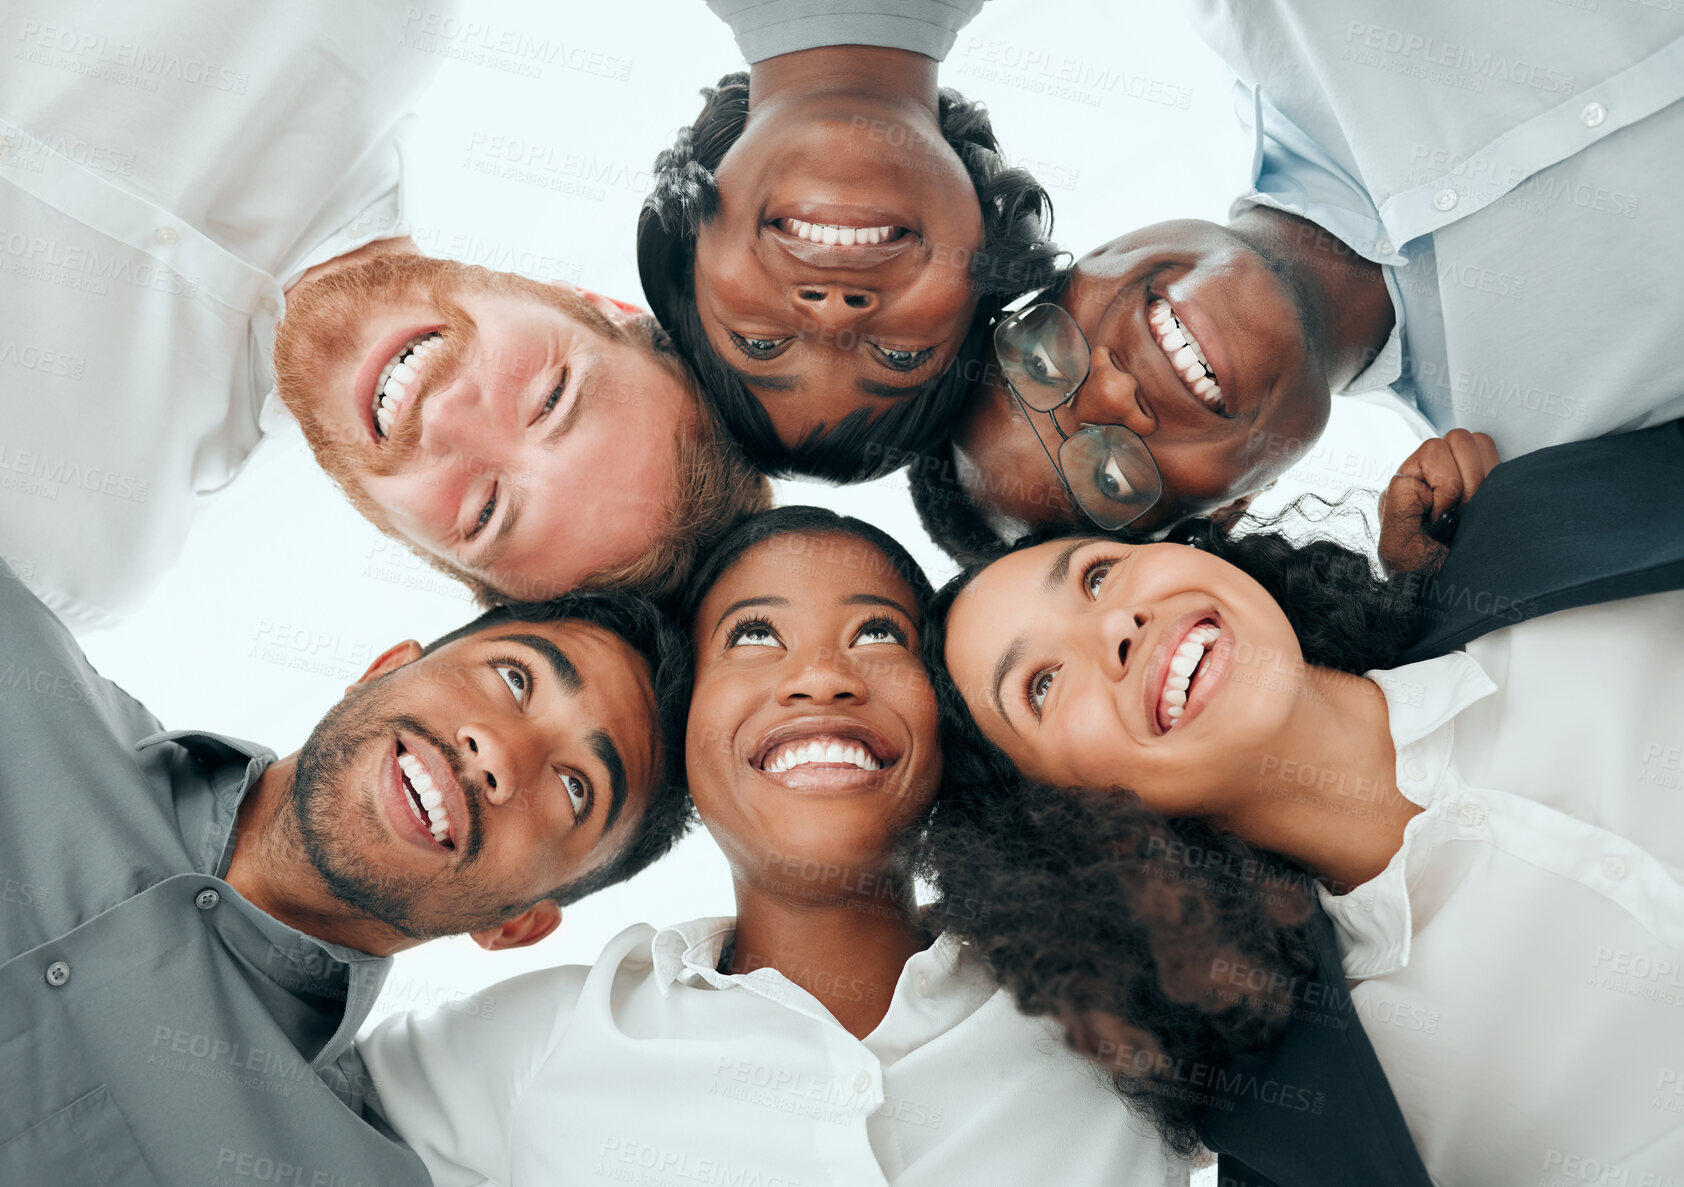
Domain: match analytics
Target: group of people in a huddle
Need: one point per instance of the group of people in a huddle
(1160, 829)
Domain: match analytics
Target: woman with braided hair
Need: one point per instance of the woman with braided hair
(830, 239)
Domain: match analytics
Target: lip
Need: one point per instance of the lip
(1157, 668)
(444, 780)
(834, 256)
(1210, 341)
(825, 779)
(362, 383)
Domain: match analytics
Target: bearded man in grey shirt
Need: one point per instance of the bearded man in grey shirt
(192, 930)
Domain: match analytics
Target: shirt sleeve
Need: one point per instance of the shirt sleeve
(767, 28)
(451, 1080)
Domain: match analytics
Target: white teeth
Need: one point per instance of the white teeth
(392, 385)
(1185, 354)
(835, 752)
(1172, 701)
(433, 814)
(834, 234)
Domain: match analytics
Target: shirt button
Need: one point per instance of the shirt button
(1614, 867)
(1415, 770)
(862, 1082)
(923, 984)
(206, 899)
(1593, 114)
(269, 306)
(1383, 246)
(1473, 815)
(1445, 199)
(165, 235)
(57, 973)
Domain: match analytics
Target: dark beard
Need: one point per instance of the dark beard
(339, 822)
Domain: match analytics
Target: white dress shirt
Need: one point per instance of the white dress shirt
(1516, 166)
(766, 28)
(1519, 965)
(654, 1068)
(166, 170)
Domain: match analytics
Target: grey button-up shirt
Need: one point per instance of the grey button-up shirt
(157, 1028)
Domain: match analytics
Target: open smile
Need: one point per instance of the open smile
(824, 753)
(433, 809)
(389, 377)
(1186, 357)
(1186, 669)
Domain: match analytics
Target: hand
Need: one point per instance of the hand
(1437, 478)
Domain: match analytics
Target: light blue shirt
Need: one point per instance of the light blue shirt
(1515, 166)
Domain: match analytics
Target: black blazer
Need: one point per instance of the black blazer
(1572, 525)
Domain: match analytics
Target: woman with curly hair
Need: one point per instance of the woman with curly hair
(1501, 871)
(823, 1033)
(830, 239)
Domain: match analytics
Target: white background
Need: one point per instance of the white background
(284, 595)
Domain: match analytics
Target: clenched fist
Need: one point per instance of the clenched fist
(1437, 478)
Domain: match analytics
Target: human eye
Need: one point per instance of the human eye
(903, 360)
(516, 676)
(1040, 684)
(880, 630)
(758, 348)
(1040, 365)
(553, 398)
(1111, 482)
(485, 514)
(1093, 576)
(578, 794)
(752, 632)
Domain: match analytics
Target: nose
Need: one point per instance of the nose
(832, 306)
(1119, 631)
(1107, 397)
(488, 754)
(826, 676)
(460, 419)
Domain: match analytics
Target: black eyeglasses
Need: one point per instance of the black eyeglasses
(1107, 469)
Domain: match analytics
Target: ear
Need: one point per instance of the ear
(390, 660)
(615, 311)
(525, 929)
(1227, 515)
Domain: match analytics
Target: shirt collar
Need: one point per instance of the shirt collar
(210, 748)
(690, 952)
(1374, 920)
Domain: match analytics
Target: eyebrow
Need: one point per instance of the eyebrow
(1008, 660)
(889, 391)
(1060, 568)
(871, 387)
(865, 599)
(609, 755)
(565, 673)
(762, 600)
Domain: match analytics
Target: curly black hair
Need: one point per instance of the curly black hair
(813, 521)
(1017, 257)
(1165, 946)
(666, 650)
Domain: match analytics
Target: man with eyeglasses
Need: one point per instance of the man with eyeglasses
(1113, 401)
(1462, 213)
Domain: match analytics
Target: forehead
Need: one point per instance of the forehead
(811, 569)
